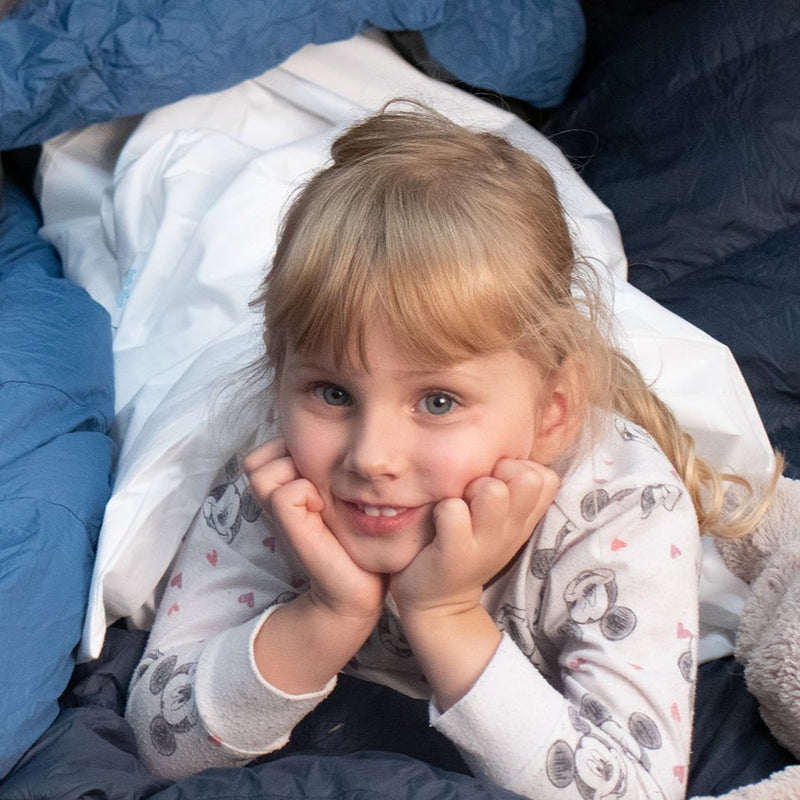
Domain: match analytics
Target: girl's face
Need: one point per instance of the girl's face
(384, 444)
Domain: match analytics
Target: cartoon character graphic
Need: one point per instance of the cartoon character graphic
(607, 758)
(178, 715)
(544, 557)
(512, 620)
(282, 598)
(591, 598)
(226, 506)
(686, 658)
(659, 495)
(632, 433)
(598, 500)
(596, 766)
(392, 636)
(686, 666)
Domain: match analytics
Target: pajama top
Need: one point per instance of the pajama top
(590, 693)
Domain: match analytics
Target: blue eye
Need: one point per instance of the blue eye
(333, 395)
(438, 403)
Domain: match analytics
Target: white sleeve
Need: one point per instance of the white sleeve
(197, 698)
(619, 620)
(502, 744)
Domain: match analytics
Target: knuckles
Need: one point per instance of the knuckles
(292, 493)
(490, 490)
(528, 477)
(449, 508)
(263, 455)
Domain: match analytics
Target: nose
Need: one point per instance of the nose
(375, 448)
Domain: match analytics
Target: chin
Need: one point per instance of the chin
(382, 563)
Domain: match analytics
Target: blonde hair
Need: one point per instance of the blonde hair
(459, 240)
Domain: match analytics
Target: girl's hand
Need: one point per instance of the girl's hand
(476, 537)
(337, 583)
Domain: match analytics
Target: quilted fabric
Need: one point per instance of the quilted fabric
(56, 403)
(65, 64)
(686, 119)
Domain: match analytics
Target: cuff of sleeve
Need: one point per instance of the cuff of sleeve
(498, 724)
(236, 704)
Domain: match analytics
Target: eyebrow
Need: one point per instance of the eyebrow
(457, 370)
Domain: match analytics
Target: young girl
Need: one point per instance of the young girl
(472, 497)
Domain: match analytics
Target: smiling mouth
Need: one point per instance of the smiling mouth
(378, 520)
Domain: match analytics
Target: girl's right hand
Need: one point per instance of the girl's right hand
(337, 583)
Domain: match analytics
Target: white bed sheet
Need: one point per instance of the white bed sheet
(169, 222)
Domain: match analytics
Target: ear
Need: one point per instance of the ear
(561, 414)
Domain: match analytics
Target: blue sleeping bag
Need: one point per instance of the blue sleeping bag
(56, 405)
(65, 64)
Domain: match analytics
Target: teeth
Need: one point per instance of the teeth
(375, 511)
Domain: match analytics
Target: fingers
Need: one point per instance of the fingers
(297, 505)
(262, 455)
(299, 495)
(478, 534)
(268, 468)
(290, 499)
(531, 488)
(489, 501)
(451, 520)
(515, 496)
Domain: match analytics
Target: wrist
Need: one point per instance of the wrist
(455, 617)
(453, 645)
(302, 645)
(440, 610)
(353, 616)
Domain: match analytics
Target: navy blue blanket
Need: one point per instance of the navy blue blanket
(686, 122)
(364, 741)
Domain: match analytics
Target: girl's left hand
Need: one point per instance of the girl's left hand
(476, 537)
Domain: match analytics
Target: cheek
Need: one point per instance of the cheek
(457, 461)
(308, 446)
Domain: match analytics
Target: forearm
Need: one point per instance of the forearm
(303, 644)
(515, 729)
(205, 704)
(453, 648)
